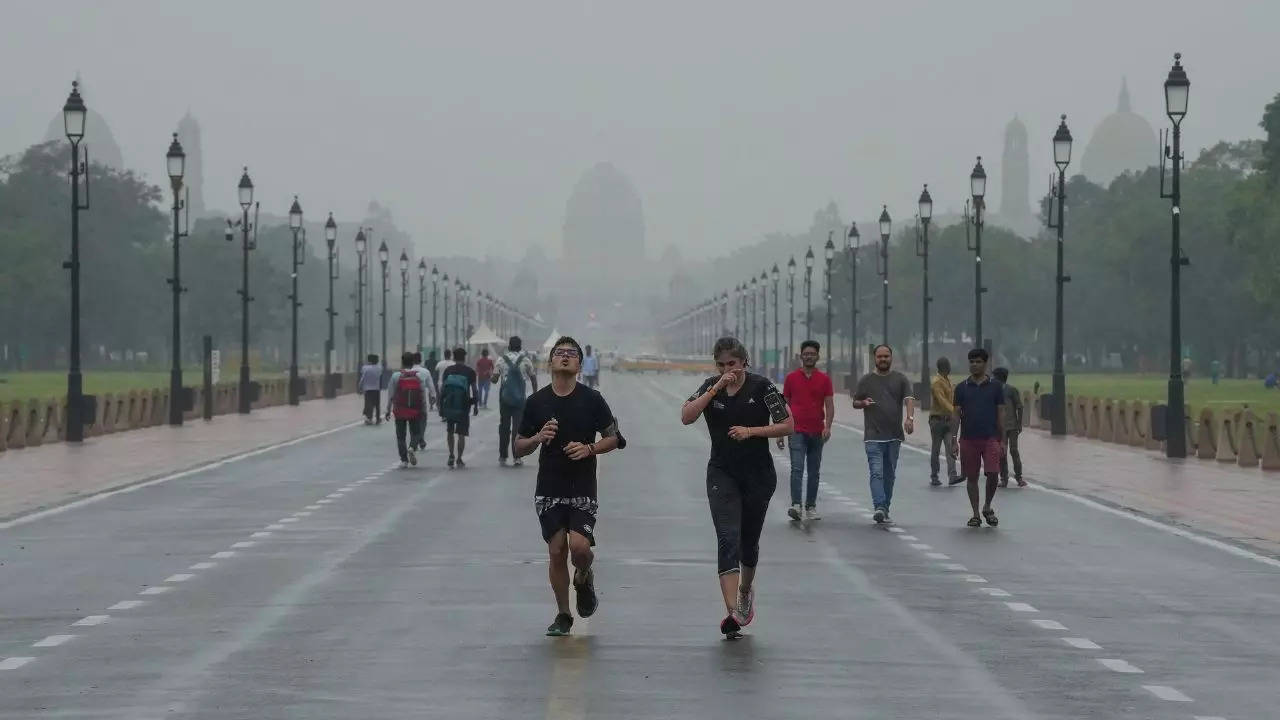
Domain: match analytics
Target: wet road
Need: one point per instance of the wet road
(319, 581)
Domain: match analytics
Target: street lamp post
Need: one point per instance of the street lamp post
(1177, 88)
(775, 274)
(422, 301)
(852, 243)
(245, 193)
(435, 297)
(176, 161)
(404, 302)
(330, 240)
(978, 189)
(444, 292)
(457, 310)
(764, 321)
(830, 253)
(882, 269)
(73, 118)
(362, 243)
(295, 224)
(925, 205)
(808, 290)
(754, 338)
(791, 307)
(1061, 158)
(737, 311)
(384, 256)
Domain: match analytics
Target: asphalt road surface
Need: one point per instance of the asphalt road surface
(320, 581)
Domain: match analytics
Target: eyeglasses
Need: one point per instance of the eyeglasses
(564, 353)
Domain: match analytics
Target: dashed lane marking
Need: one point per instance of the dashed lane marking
(262, 534)
(975, 579)
(937, 556)
(91, 620)
(1048, 624)
(128, 605)
(1164, 692)
(276, 526)
(1021, 607)
(896, 530)
(203, 566)
(313, 507)
(13, 663)
(908, 538)
(53, 641)
(289, 520)
(1120, 666)
(919, 546)
(1081, 643)
(223, 555)
(157, 590)
(303, 513)
(995, 592)
(954, 567)
(324, 502)
(180, 577)
(243, 544)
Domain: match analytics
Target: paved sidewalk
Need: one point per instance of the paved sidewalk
(1233, 503)
(33, 479)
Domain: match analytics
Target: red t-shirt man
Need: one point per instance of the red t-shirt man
(484, 368)
(807, 395)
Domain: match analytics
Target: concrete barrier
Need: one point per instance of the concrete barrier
(1139, 417)
(1227, 449)
(1121, 436)
(1094, 420)
(53, 421)
(1271, 443)
(1206, 445)
(1248, 440)
(16, 426)
(4, 426)
(134, 404)
(33, 423)
(1081, 408)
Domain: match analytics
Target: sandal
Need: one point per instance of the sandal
(990, 516)
(975, 521)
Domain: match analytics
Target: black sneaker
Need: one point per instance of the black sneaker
(956, 480)
(730, 627)
(935, 482)
(451, 461)
(586, 590)
(561, 626)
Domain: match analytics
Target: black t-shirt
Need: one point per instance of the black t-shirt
(581, 415)
(466, 371)
(748, 407)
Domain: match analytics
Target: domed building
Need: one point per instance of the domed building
(1015, 179)
(604, 222)
(1124, 141)
(103, 149)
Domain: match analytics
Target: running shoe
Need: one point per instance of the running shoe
(561, 626)
(811, 514)
(795, 512)
(1022, 483)
(880, 515)
(935, 482)
(586, 590)
(744, 610)
(413, 457)
(956, 480)
(517, 463)
(451, 461)
(730, 627)
(502, 462)
(404, 464)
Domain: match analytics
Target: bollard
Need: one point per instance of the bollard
(1271, 444)
(1249, 454)
(4, 426)
(1081, 408)
(1027, 401)
(34, 427)
(1121, 436)
(1138, 430)
(133, 411)
(1227, 438)
(1107, 429)
(1207, 436)
(17, 424)
(51, 421)
(1095, 418)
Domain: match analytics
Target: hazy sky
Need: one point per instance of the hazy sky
(473, 120)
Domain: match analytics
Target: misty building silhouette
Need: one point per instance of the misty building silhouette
(1015, 178)
(189, 136)
(1123, 141)
(103, 149)
(604, 222)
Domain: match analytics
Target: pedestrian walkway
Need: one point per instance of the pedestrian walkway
(38, 478)
(1230, 502)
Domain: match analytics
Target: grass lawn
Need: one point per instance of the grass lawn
(47, 384)
(1200, 391)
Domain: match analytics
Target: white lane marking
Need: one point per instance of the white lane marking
(53, 641)
(1208, 717)
(995, 592)
(919, 546)
(896, 530)
(203, 566)
(975, 579)
(243, 544)
(937, 556)
(13, 663)
(289, 520)
(1120, 666)
(304, 513)
(334, 495)
(1048, 624)
(313, 507)
(847, 503)
(1082, 643)
(223, 555)
(150, 483)
(955, 567)
(180, 577)
(276, 526)
(262, 534)
(91, 620)
(128, 604)
(908, 538)
(157, 590)
(1164, 692)
(345, 489)
(1020, 607)
(323, 502)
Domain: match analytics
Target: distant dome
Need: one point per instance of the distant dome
(1124, 141)
(604, 220)
(1016, 129)
(103, 149)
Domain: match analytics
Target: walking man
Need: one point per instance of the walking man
(591, 369)
(562, 421)
(407, 402)
(811, 397)
(941, 430)
(980, 410)
(484, 372)
(880, 395)
(510, 375)
(443, 365)
(458, 404)
(743, 410)
(371, 386)
(1012, 429)
(418, 441)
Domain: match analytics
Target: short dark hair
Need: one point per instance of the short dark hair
(810, 344)
(979, 354)
(406, 360)
(417, 356)
(372, 358)
(484, 352)
(1002, 374)
(447, 354)
(876, 349)
(730, 345)
(515, 343)
(459, 354)
(944, 365)
(565, 340)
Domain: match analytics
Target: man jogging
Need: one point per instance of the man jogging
(511, 372)
(811, 398)
(371, 385)
(880, 395)
(980, 415)
(591, 369)
(410, 392)
(742, 410)
(941, 430)
(458, 404)
(562, 420)
(1012, 430)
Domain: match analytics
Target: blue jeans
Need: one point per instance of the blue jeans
(882, 462)
(806, 450)
(483, 387)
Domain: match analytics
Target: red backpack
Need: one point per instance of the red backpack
(409, 397)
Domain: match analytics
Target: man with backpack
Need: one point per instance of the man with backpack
(458, 404)
(509, 375)
(409, 392)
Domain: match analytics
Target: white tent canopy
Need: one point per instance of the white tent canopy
(484, 335)
(551, 339)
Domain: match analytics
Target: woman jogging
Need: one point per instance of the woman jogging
(742, 410)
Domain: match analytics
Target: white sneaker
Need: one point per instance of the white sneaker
(413, 457)
(811, 514)
(744, 610)
(403, 464)
(795, 512)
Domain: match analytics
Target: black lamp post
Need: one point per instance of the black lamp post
(853, 243)
(925, 205)
(384, 256)
(444, 292)
(1177, 88)
(176, 161)
(422, 300)
(295, 224)
(245, 193)
(737, 311)
(978, 189)
(435, 297)
(882, 269)
(73, 118)
(362, 244)
(764, 321)
(808, 293)
(330, 240)
(791, 307)
(830, 254)
(1061, 158)
(775, 274)
(751, 300)
(404, 302)
(457, 310)
(466, 314)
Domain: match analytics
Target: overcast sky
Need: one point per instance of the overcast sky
(473, 120)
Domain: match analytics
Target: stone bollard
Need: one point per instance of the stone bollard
(1207, 436)
(1071, 414)
(4, 426)
(34, 422)
(1227, 448)
(1093, 421)
(1271, 444)
(1249, 454)
(133, 406)
(107, 405)
(52, 422)
(1027, 402)
(1138, 420)
(16, 425)
(1081, 409)
(1121, 436)
(1107, 430)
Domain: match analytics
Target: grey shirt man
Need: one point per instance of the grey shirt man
(882, 421)
(370, 377)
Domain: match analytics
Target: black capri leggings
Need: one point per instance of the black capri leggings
(739, 500)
